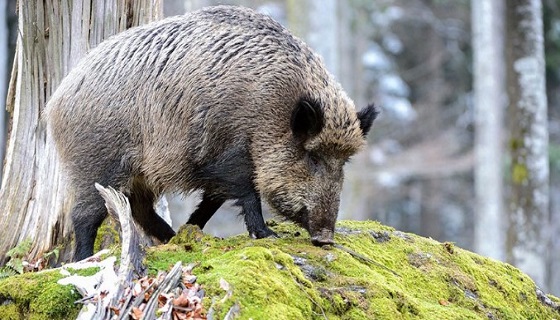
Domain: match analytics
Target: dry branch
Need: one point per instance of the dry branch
(132, 237)
(110, 295)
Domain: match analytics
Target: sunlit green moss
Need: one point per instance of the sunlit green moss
(37, 296)
(382, 274)
(288, 278)
(107, 236)
(520, 173)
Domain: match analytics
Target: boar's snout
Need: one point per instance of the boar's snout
(322, 237)
(320, 226)
(320, 222)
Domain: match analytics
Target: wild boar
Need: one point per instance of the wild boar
(223, 100)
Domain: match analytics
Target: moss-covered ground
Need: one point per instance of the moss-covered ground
(38, 296)
(288, 278)
(378, 273)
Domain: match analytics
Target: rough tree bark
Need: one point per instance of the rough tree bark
(4, 31)
(53, 36)
(489, 103)
(528, 238)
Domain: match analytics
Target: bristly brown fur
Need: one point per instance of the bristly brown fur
(206, 101)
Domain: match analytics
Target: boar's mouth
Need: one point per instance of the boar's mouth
(320, 235)
(323, 237)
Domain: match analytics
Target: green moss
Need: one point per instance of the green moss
(379, 274)
(515, 144)
(37, 296)
(84, 272)
(519, 173)
(107, 235)
(10, 311)
(288, 278)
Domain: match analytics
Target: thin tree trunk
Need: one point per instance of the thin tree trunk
(322, 33)
(4, 33)
(489, 103)
(53, 36)
(296, 16)
(528, 238)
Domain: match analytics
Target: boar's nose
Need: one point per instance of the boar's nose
(323, 237)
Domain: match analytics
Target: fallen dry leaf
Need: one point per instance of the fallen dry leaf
(136, 313)
(181, 301)
(116, 310)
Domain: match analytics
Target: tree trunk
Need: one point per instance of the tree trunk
(296, 17)
(53, 36)
(528, 238)
(4, 32)
(489, 103)
(322, 33)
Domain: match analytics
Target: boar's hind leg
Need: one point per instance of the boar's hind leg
(142, 204)
(252, 213)
(87, 215)
(205, 210)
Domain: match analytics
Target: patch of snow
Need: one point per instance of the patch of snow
(391, 146)
(388, 180)
(392, 43)
(394, 85)
(384, 18)
(377, 155)
(399, 108)
(376, 59)
(394, 13)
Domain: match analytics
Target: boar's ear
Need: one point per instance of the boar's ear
(307, 119)
(366, 117)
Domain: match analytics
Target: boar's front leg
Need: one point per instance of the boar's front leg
(252, 212)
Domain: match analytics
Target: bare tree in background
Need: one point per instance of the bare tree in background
(178, 7)
(323, 31)
(53, 36)
(489, 103)
(528, 239)
(3, 75)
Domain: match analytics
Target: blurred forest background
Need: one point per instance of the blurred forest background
(414, 58)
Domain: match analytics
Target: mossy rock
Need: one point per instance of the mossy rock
(37, 296)
(410, 277)
(382, 274)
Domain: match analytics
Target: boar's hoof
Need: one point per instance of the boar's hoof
(324, 237)
(263, 233)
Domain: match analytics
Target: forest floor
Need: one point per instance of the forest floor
(374, 272)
